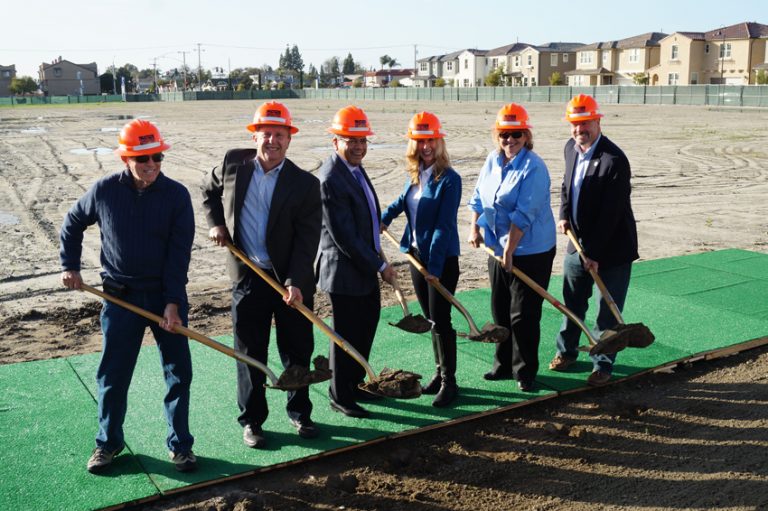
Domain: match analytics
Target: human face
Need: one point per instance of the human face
(425, 148)
(352, 149)
(144, 173)
(585, 132)
(271, 145)
(509, 144)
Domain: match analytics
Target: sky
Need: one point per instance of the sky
(238, 33)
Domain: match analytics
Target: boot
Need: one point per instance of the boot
(434, 384)
(447, 355)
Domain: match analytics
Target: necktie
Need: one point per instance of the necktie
(371, 207)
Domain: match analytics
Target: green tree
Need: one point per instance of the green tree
(348, 68)
(556, 79)
(762, 77)
(297, 63)
(495, 77)
(392, 63)
(641, 79)
(385, 59)
(440, 82)
(394, 83)
(357, 83)
(22, 85)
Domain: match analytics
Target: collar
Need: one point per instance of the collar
(126, 178)
(586, 155)
(275, 170)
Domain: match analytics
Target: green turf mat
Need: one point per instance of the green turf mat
(47, 425)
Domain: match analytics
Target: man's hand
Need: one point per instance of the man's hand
(475, 237)
(294, 295)
(171, 318)
(219, 235)
(563, 225)
(71, 279)
(389, 275)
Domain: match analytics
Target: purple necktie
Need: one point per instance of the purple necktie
(371, 207)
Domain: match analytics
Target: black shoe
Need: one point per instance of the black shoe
(350, 409)
(253, 436)
(433, 387)
(305, 428)
(447, 394)
(184, 461)
(498, 374)
(525, 385)
(364, 395)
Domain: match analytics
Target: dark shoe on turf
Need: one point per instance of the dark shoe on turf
(350, 409)
(561, 363)
(433, 387)
(253, 436)
(184, 461)
(598, 378)
(101, 458)
(525, 385)
(498, 374)
(305, 428)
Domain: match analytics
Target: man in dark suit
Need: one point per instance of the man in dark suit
(269, 208)
(349, 255)
(595, 205)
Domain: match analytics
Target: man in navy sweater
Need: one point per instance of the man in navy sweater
(147, 227)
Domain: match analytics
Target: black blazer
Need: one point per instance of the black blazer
(293, 227)
(348, 262)
(605, 224)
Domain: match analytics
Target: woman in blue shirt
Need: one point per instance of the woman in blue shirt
(430, 200)
(511, 204)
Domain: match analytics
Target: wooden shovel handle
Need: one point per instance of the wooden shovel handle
(186, 332)
(600, 284)
(473, 330)
(336, 338)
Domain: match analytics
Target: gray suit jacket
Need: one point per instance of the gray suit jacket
(293, 227)
(348, 262)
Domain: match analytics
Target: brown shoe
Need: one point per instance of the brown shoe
(598, 378)
(560, 363)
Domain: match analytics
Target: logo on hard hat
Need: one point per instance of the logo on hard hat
(274, 113)
(146, 139)
(579, 109)
(510, 117)
(422, 127)
(361, 123)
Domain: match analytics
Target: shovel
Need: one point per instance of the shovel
(489, 332)
(417, 324)
(291, 379)
(637, 334)
(394, 383)
(608, 343)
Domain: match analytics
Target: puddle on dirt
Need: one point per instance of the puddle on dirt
(8, 219)
(35, 129)
(91, 150)
(109, 129)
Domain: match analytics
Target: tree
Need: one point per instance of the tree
(762, 77)
(394, 83)
(495, 77)
(440, 82)
(329, 72)
(641, 79)
(357, 83)
(297, 63)
(385, 59)
(392, 63)
(348, 68)
(556, 79)
(22, 85)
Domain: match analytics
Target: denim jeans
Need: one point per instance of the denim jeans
(577, 290)
(123, 332)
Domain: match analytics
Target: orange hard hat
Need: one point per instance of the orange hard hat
(425, 125)
(351, 121)
(272, 113)
(582, 108)
(140, 137)
(512, 117)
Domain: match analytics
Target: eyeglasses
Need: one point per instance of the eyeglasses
(354, 140)
(144, 158)
(514, 134)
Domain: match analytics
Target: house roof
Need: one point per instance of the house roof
(507, 49)
(746, 30)
(390, 72)
(90, 66)
(637, 41)
(12, 67)
(589, 72)
(558, 46)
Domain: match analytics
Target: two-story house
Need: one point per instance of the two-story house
(471, 68)
(64, 78)
(7, 73)
(508, 57)
(541, 61)
(616, 62)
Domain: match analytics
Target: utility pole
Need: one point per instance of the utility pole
(114, 79)
(184, 68)
(154, 73)
(199, 67)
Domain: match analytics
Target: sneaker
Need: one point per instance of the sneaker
(184, 461)
(253, 436)
(560, 363)
(305, 428)
(101, 458)
(598, 378)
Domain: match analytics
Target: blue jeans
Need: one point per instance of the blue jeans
(577, 290)
(123, 332)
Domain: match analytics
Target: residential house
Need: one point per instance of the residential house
(439, 66)
(472, 68)
(383, 77)
(616, 62)
(64, 78)
(7, 73)
(538, 63)
(730, 55)
(509, 58)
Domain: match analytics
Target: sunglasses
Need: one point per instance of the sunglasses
(144, 158)
(514, 134)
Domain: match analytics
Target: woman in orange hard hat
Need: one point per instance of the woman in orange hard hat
(511, 203)
(430, 200)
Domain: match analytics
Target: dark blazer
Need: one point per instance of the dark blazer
(437, 234)
(293, 227)
(605, 224)
(348, 262)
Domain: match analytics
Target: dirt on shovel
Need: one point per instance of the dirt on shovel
(297, 377)
(417, 324)
(489, 333)
(615, 339)
(394, 383)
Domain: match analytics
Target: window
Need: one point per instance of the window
(449, 66)
(494, 63)
(57, 72)
(466, 82)
(585, 57)
(694, 78)
(517, 60)
(466, 63)
(672, 78)
(6, 74)
(530, 60)
(725, 51)
(634, 55)
(606, 59)
(675, 52)
(706, 48)
(423, 66)
(533, 81)
(553, 60)
(565, 58)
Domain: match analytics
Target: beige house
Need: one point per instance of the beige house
(616, 62)
(383, 77)
(64, 78)
(509, 58)
(731, 55)
(471, 68)
(538, 63)
(7, 73)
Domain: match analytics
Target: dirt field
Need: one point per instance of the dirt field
(693, 439)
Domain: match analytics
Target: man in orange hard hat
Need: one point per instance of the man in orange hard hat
(270, 209)
(350, 258)
(595, 204)
(147, 228)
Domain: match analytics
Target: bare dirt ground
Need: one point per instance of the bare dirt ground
(694, 438)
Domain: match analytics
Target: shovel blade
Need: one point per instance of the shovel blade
(417, 324)
(298, 377)
(394, 383)
(490, 333)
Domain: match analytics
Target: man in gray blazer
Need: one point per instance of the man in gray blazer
(349, 255)
(269, 208)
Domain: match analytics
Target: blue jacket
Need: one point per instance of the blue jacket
(146, 239)
(516, 194)
(437, 234)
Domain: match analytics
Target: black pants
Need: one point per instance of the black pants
(254, 304)
(355, 319)
(433, 305)
(518, 307)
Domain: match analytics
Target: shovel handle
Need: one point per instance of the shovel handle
(600, 284)
(187, 333)
(546, 295)
(336, 338)
(473, 330)
(398, 291)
